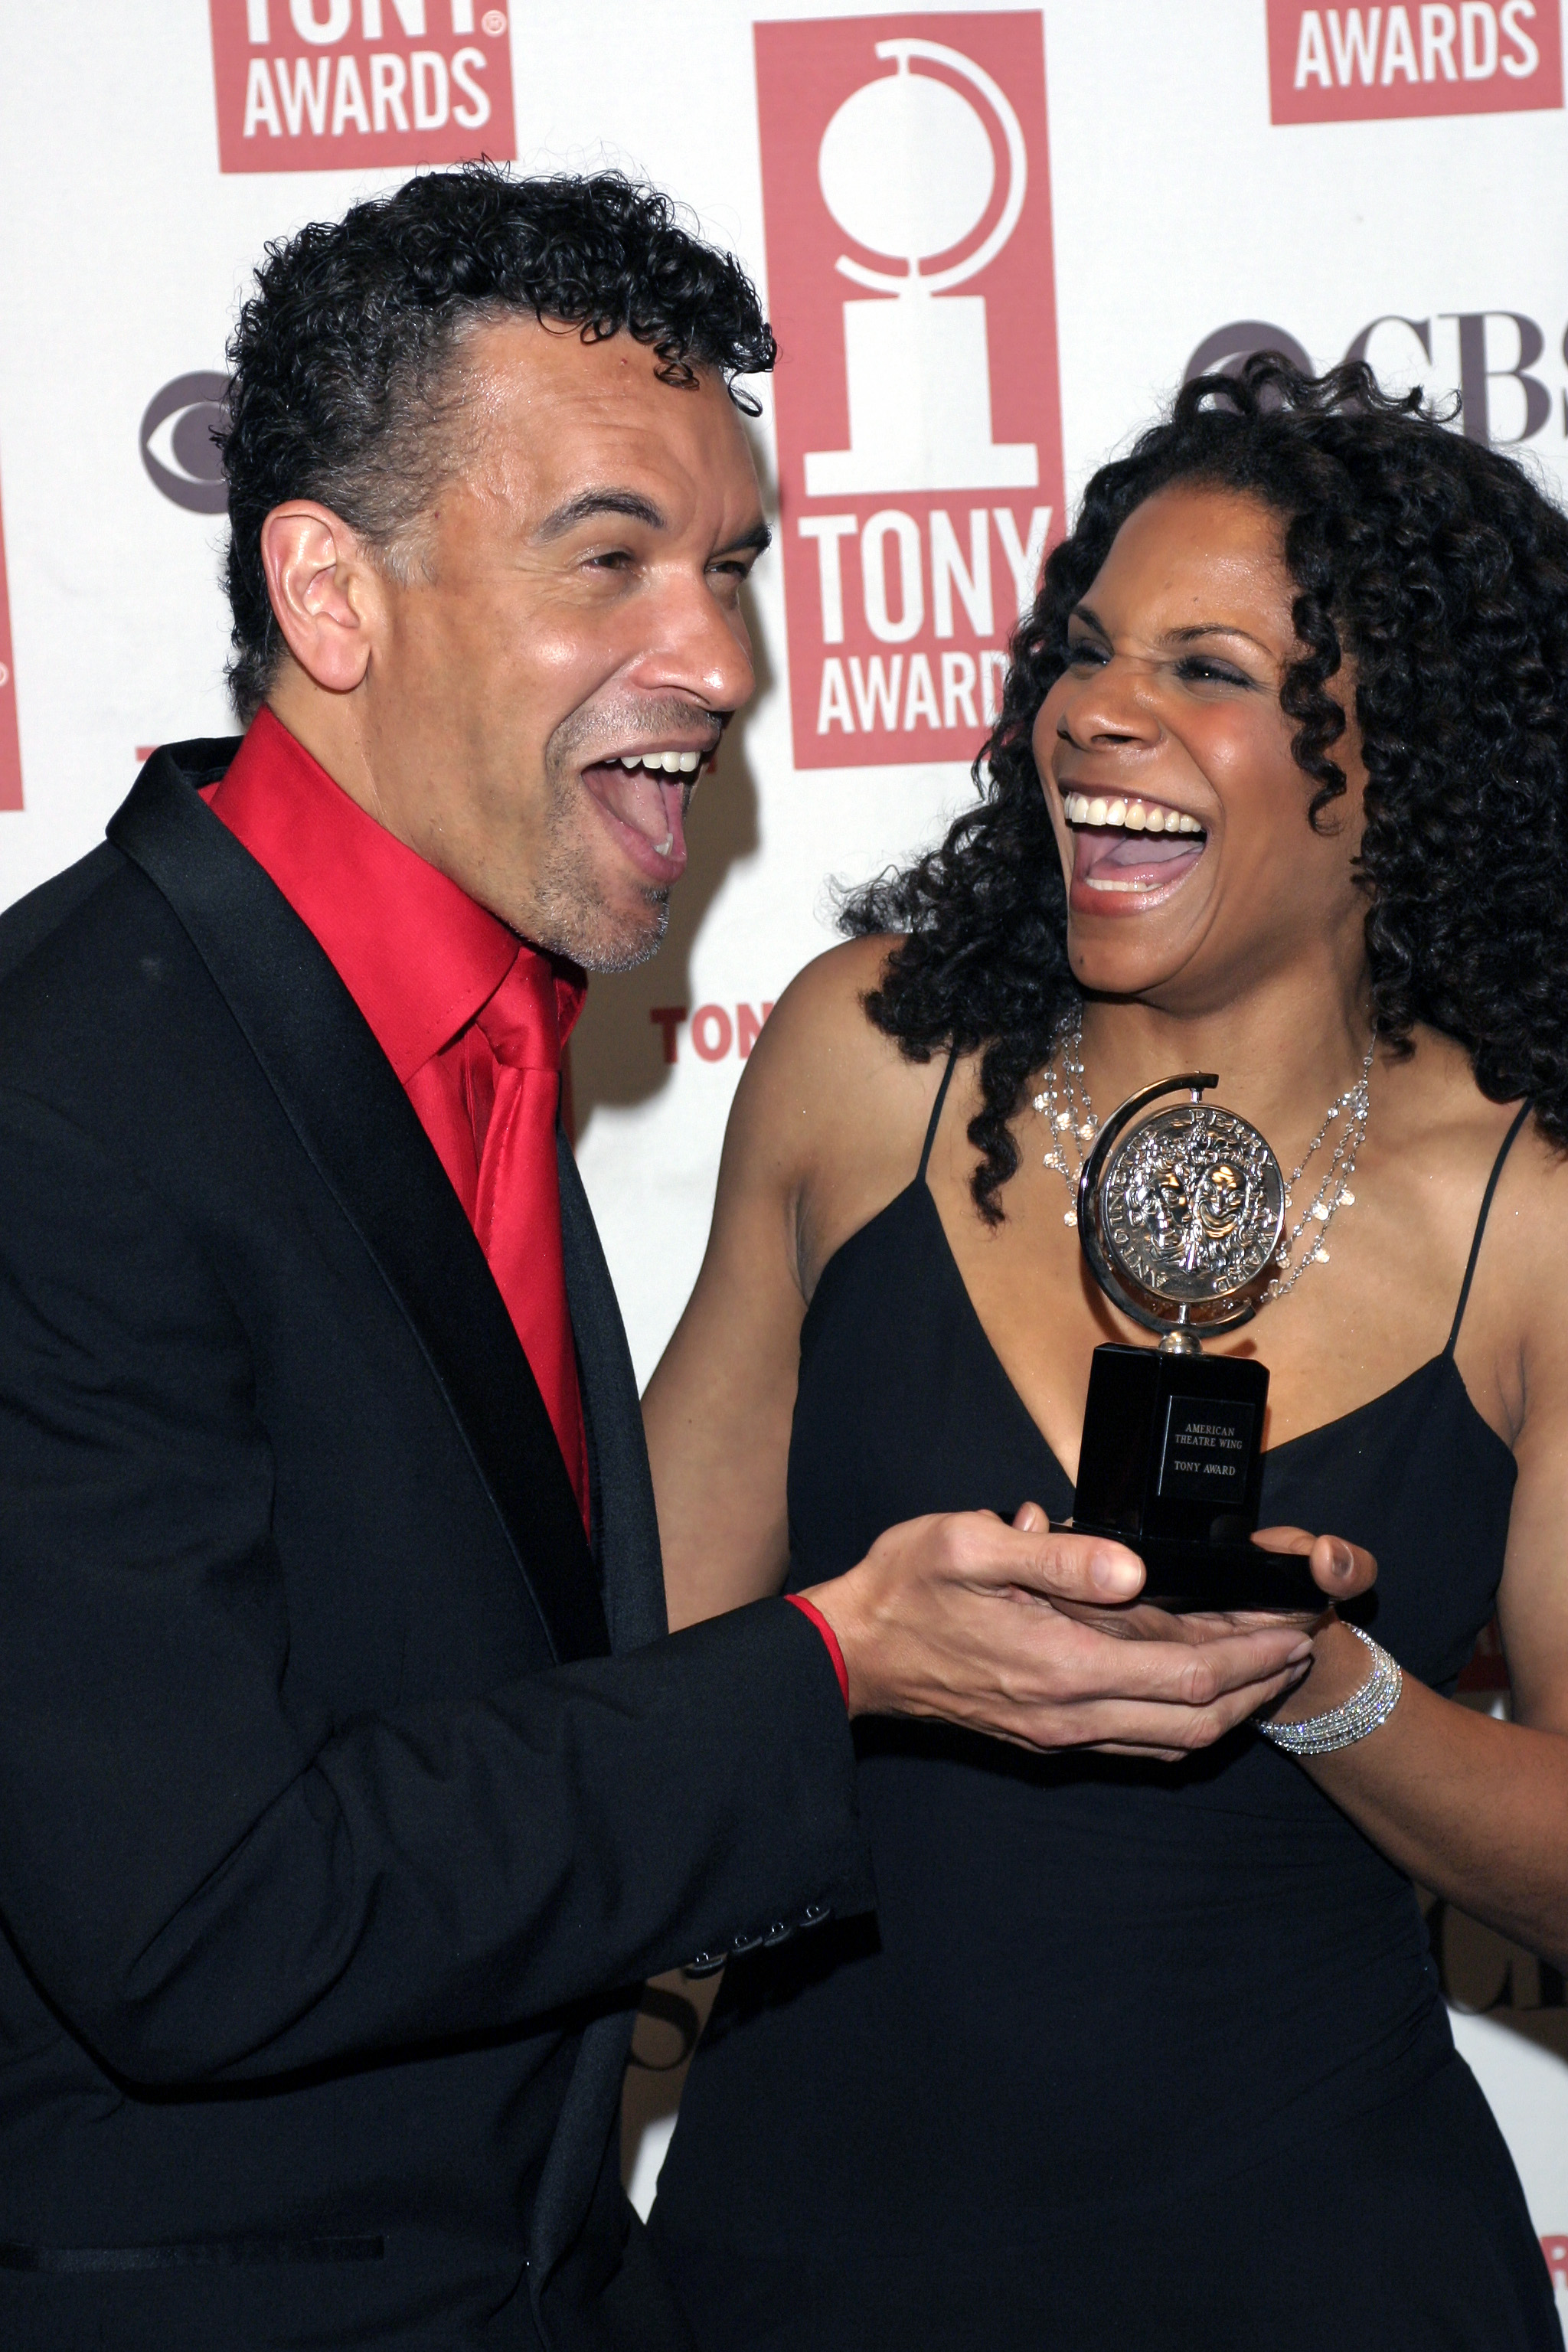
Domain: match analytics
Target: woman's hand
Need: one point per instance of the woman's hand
(1340, 1569)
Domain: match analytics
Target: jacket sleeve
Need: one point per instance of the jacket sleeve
(209, 1879)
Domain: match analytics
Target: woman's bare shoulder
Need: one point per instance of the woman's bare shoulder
(1455, 1127)
(1527, 1224)
(1514, 1317)
(821, 1045)
(830, 1102)
(834, 985)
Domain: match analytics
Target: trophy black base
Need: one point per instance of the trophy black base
(1185, 1577)
(1171, 1465)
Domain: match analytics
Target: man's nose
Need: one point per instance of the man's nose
(1113, 705)
(699, 648)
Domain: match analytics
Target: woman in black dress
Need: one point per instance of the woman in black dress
(1138, 2056)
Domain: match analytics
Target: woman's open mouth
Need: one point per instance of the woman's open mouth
(1129, 848)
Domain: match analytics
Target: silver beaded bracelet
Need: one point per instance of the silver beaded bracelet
(1343, 1726)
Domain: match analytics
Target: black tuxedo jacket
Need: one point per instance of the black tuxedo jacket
(346, 1798)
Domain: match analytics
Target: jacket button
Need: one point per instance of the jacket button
(815, 1913)
(706, 1964)
(779, 1933)
(744, 1944)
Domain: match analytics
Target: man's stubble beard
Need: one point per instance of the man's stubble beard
(570, 916)
(572, 919)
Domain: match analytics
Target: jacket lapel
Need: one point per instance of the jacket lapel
(626, 1526)
(359, 1129)
(626, 1532)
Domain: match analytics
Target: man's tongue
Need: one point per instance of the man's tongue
(652, 806)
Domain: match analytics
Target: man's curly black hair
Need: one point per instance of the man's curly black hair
(1437, 567)
(343, 359)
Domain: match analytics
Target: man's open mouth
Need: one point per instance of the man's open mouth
(1130, 847)
(644, 793)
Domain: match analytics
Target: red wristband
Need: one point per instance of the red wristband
(806, 1610)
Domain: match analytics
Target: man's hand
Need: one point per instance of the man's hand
(1340, 1571)
(957, 1616)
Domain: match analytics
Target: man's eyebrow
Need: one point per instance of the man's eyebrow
(587, 504)
(759, 539)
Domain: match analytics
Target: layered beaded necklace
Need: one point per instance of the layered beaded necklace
(1063, 1103)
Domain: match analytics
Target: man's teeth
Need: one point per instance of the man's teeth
(1134, 816)
(668, 763)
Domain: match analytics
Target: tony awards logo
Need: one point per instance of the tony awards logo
(341, 85)
(875, 171)
(907, 194)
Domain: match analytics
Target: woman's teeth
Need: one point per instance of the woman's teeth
(667, 764)
(1133, 816)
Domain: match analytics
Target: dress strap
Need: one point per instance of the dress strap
(1524, 1111)
(936, 1114)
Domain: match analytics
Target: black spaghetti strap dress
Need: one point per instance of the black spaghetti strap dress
(1131, 2058)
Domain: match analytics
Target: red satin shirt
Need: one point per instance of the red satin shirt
(421, 959)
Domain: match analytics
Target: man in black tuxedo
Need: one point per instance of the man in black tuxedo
(350, 1784)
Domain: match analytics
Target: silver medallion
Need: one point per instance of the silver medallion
(1180, 1210)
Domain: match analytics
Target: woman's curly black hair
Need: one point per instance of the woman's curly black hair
(1436, 565)
(341, 384)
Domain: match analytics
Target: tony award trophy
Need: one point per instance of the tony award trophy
(1180, 1210)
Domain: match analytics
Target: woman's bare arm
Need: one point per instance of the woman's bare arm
(1475, 1809)
(718, 1407)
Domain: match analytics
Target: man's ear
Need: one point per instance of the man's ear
(326, 594)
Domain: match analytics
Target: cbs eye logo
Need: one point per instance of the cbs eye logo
(177, 445)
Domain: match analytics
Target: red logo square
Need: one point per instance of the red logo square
(334, 85)
(1462, 57)
(906, 189)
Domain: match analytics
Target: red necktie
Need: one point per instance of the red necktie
(517, 1210)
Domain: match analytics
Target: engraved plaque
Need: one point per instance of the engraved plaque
(1208, 1444)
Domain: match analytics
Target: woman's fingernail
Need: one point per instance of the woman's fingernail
(1301, 1655)
(1344, 1558)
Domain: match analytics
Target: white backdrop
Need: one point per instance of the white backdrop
(1099, 191)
